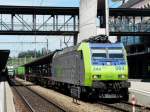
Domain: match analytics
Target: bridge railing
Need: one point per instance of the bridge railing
(38, 27)
(140, 27)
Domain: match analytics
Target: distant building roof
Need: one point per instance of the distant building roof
(130, 3)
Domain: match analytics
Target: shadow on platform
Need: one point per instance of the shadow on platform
(146, 80)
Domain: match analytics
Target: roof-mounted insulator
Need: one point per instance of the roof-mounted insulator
(98, 39)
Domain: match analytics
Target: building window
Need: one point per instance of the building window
(130, 40)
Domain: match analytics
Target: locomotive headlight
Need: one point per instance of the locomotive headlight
(96, 76)
(122, 76)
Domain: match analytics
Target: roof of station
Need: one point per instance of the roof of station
(42, 60)
(4, 54)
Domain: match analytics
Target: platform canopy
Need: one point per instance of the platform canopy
(4, 54)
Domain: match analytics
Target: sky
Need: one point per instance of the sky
(68, 3)
(16, 48)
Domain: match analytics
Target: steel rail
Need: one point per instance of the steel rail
(119, 108)
(113, 107)
(27, 105)
(57, 106)
(137, 105)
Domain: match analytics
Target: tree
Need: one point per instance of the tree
(29, 53)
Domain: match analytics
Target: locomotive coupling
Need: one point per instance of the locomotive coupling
(125, 84)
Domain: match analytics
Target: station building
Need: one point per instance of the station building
(138, 47)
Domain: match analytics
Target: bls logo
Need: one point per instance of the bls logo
(119, 67)
(96, 68)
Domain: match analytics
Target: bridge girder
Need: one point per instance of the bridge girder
(66, 27)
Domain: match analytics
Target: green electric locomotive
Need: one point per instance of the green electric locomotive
(99, 69)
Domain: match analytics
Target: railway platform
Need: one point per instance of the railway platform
(141, 91)
(139, 85)
(6, 97)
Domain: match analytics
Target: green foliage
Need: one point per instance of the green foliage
(33, 53)
(26, 57)
(30, 53)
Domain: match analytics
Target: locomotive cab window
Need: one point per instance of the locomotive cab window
(115, 53)
(99, 53)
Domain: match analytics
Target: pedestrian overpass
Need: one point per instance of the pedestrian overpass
(64, 21)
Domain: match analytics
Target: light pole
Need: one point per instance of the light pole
(35, 48)
(47, 44)
(107, 16)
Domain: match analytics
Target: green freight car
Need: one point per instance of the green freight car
(20, 72)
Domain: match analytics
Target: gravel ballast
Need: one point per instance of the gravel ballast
(63, 101)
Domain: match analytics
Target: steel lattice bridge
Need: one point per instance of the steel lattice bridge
(64, 21)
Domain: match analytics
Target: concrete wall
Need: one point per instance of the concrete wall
(88, 15)
(88, 19)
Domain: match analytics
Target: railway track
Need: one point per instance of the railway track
(37, 105)
(123, 106)
(20, 102)
(33, 101)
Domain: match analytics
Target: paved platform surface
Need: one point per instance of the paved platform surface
(2, 108)
(6, 98)
(141, 90)
(9, 99)
(141, 86)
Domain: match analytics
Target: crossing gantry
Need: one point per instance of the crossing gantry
(64, 21)
(29, 20)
